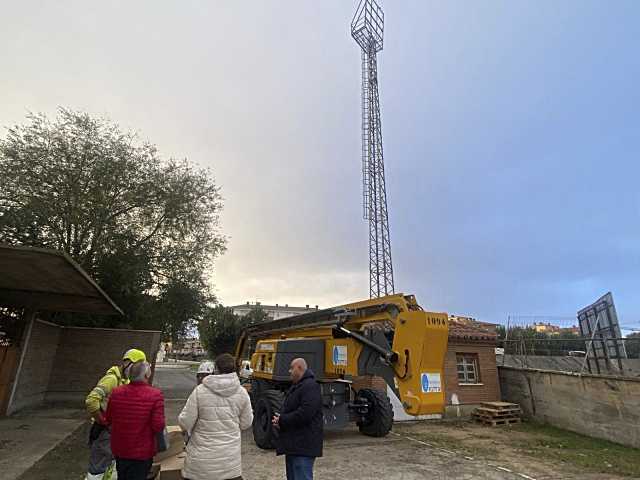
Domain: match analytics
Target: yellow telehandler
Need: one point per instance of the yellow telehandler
(390, 337)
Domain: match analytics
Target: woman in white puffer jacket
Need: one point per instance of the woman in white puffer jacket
(215, 413)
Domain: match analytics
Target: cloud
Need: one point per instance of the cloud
(510, 131)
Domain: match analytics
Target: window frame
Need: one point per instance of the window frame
(470, 363)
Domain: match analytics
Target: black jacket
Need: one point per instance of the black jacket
(301, 419)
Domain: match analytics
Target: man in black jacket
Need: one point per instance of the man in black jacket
(300, 423)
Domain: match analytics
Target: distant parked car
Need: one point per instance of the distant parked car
(577, 353)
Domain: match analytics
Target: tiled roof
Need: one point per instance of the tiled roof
(471, 331)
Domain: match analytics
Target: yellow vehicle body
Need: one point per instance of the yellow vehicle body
(415, 363)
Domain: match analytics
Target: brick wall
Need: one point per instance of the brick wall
(369, 381)
(37, 365)
(489, 388)
(85, 354)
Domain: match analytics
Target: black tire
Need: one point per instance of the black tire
(266, 406)
(254, 393)
(379, 419)
(258, 386)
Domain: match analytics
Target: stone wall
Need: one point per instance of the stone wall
(596, 405)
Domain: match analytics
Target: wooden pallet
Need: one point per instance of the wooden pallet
(490, 412)
(498, 413)
(500, 405)
(498, 421)
(493, 417)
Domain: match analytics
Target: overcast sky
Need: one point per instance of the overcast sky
(511, 133)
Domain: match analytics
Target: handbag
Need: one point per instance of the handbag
(162, 440)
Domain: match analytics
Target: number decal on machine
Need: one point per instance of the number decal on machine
(431, 383)
(340, 355)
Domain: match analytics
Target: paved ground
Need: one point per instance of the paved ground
(176, 382)
(29, 435)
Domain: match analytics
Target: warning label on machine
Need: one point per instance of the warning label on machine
(340, 355)
(431, 383)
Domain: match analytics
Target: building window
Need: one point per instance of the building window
(468, 371)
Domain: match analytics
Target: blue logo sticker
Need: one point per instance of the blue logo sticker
(431, 382)
(425, 382)
(339, 356)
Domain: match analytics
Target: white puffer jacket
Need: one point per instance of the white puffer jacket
(215, 413)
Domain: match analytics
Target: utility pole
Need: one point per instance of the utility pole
(367, 28)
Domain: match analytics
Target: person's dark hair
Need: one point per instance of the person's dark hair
(225, 363)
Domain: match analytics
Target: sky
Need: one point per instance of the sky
(511, 134)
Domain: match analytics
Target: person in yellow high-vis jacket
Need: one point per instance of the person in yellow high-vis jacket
(101, 459)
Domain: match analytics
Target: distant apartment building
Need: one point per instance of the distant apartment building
(275, 312)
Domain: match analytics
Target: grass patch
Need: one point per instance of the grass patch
(587, 453)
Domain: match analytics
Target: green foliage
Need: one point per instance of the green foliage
(146, 229)
(220, 328)
(257, 315)
(526, 341)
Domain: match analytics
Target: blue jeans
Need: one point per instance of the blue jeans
(299, 468)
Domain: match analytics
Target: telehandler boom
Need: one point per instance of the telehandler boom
(390, 337)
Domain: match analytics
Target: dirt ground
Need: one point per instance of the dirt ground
(529, 449)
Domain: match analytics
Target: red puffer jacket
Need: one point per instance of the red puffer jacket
(136, 414)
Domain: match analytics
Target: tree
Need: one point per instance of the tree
(146, 229)
(526, 340)
(257, 315)
(181, 307)
(220, 328)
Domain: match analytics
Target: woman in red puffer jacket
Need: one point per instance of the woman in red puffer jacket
(136, 415)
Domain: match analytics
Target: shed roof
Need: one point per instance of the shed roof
(49, 280)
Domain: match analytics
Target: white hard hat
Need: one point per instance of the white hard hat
(206, 367)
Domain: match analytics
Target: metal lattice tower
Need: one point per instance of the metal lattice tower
(367, 29)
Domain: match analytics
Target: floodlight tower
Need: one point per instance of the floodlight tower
(367, 29)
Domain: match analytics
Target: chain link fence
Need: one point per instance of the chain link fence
(580, 355)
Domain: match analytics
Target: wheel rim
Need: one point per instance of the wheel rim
(372, 408)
